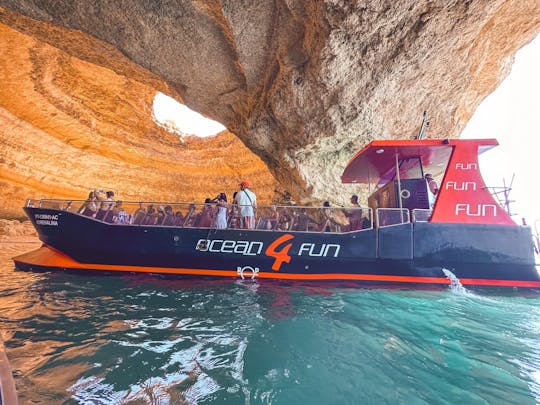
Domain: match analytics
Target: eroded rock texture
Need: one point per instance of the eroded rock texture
(303, 84)
(67, 126)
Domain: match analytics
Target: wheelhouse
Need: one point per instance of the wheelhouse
(397, 168)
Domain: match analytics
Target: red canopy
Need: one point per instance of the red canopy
(379, 157)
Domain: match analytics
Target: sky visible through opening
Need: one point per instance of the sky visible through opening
(175, 116)
(511, 114)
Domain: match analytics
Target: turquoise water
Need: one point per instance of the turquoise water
(141, 339)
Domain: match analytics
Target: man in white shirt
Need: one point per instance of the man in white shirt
(246, 201)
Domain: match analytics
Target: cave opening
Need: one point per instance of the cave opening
(179, 119)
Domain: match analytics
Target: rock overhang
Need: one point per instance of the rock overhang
(302, 85)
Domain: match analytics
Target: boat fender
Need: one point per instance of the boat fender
(254, 271)
(405, 193)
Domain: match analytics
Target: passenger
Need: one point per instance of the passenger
(432, 184)
(178, 218)
(139, 215)
(303, 221)
(169, 219)
(113, 212)
(433, 189)
(235, 222)
(205, 218)
(107, 204)
(191, 218)
(151, 216)
(220, 219)
(160, 215)
(271, 221)
(89, 207)
(247, 201)
(69, 206)
(329, 223)
(284, 220)
(354, 215)
(120, 216)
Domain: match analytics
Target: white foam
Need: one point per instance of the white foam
(455, 284)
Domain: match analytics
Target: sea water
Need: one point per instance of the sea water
(136, 339)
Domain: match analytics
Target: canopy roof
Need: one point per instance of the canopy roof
(378, 158)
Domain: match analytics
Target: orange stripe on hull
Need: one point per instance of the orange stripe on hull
(46, 256)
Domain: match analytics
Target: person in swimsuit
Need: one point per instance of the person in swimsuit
(89, 207)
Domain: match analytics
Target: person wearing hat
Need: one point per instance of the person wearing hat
(246, 201)
(432, 187)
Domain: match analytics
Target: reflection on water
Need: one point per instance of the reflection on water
(134, 339)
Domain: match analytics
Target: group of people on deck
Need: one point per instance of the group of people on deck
(240, 214)
(103, 207)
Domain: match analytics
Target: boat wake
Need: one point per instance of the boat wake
(455, 285)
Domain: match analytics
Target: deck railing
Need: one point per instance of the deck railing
(269, 218)
(196, 215)
(421, 215)
(392, 216)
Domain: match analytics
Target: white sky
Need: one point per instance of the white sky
(511, 114)
(186, 120)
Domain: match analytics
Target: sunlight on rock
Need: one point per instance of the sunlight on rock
(179, 119)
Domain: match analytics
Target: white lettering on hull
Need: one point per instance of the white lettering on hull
(462, 186)
(46, 219)
(242, 247)
(476, 210)
(466, 166)
(315, 250)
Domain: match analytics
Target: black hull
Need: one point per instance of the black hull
(417, 253)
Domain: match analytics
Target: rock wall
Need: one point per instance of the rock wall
(302, 84)
(68, 126)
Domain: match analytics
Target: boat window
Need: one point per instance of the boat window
(409, 168)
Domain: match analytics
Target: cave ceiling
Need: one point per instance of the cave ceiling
(301, 86)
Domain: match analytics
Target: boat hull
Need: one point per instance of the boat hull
(408, 254)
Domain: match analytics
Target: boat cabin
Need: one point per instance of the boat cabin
(397, 169)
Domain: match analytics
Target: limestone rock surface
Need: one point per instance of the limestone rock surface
(16, 231)
(302, 84)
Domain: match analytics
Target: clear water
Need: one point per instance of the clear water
(141, 339)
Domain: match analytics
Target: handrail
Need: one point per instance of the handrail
(385, 220)
(204, 215)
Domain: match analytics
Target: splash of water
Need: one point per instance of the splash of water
(455, 284)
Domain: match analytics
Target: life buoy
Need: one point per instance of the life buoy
(254, 271)
(405, 193)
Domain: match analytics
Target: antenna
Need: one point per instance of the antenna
(504, 199)
(423, 127)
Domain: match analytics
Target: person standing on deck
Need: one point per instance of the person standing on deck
(220, 220)
(354, 215)
(433, 189)
(247, 201)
